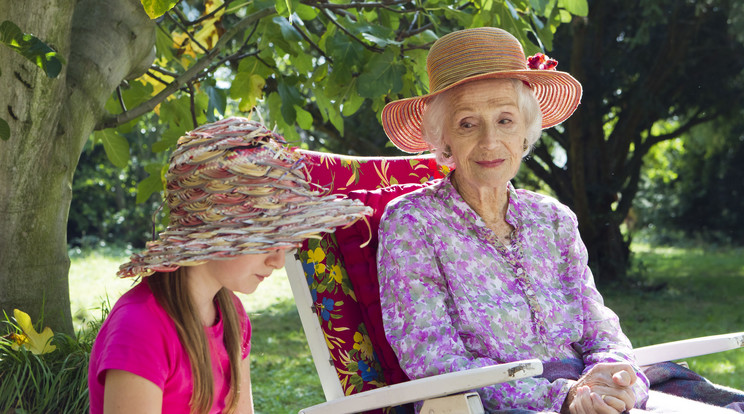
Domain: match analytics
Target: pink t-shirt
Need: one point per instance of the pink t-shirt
(138, 336)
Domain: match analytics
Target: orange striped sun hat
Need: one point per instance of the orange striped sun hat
(475, 54)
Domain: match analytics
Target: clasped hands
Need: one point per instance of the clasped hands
(605, 389)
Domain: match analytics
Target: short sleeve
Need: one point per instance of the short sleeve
(137, 339)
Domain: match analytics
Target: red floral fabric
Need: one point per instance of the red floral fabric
(342, 275)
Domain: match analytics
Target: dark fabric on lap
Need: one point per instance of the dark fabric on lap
(674, 379)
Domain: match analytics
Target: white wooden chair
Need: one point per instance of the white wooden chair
(334, 284)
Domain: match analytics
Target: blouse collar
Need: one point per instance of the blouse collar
(454, 201)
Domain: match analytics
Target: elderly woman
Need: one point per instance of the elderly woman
(474, 272)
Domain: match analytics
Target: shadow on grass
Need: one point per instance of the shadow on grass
(282, 370)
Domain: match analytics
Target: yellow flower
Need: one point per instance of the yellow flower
(336, 273)
(363, 344)
(37, 343)
(317, 256)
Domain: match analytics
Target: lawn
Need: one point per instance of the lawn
(684, 293)
(680, 293)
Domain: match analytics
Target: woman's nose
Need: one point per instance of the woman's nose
(489, 138)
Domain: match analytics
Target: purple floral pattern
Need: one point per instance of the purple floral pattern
(454, 298)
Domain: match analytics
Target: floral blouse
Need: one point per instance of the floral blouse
(453, 297)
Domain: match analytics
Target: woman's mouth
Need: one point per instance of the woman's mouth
(490, 163)
(261, 277)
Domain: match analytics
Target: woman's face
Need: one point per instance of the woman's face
(244, 273)
(485, 132)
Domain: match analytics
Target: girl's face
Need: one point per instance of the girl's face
(485, 131)
(244, 273)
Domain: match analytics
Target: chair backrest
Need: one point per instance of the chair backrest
(341, 275)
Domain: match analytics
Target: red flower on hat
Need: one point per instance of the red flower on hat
(541, 62)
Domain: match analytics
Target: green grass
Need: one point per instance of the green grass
(282, 370)
(681, 293)
(686, 293)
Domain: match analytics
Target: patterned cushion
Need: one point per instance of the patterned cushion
(342, 276)
(360, 263)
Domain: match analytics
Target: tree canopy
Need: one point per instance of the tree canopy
(304, 66)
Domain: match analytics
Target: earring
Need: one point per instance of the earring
(524, 145)
(447, 152)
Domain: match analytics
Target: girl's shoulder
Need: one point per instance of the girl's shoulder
(138, 306)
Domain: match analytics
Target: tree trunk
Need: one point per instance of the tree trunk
(102, 42)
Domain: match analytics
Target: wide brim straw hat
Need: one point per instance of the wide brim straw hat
(476, 54)
(232, 188)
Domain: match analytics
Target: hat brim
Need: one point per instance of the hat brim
(558, 95)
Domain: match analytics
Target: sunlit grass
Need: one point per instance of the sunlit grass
(680, 294)
(686, 293)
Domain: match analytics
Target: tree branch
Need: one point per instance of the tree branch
(343, 29)
(121, 98)
(307, 38)
(208, 15)
(190, 74)
(185, 30)
(334, 6)
(694, 121)
(192, 105)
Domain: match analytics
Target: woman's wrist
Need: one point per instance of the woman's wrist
(565, 408)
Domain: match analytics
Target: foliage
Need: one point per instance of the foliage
(693, 190)
(55, 381)
(106, 204)
(306, 67)
(594, 161)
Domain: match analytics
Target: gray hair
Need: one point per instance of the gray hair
(436, 107)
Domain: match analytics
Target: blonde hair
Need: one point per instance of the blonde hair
(435, 114)
(171, 291)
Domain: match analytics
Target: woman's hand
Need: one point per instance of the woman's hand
(605, 389)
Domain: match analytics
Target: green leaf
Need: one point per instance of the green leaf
(286, 7)
(157, 8)
(31, 48)
(290, 97)
(164, 46)
(217, 101)
(169, 138)
(353, 100)
(4, 130)
(248, 88)
(381, 42)
(152, 184)
(116, 147)
(306, 12)
(540, 6)
(576, 7)
(288, 32)
(177, 111)
(383, 75)
(304, 118)
(133, 95)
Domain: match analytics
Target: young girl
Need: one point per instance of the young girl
(178, 341)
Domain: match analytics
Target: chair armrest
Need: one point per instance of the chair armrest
(688, 348)
(429, 387)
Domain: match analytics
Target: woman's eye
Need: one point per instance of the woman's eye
(466, 124)
(505, 121)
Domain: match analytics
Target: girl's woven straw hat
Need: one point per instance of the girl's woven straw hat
(475, 54)
(233, 188)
